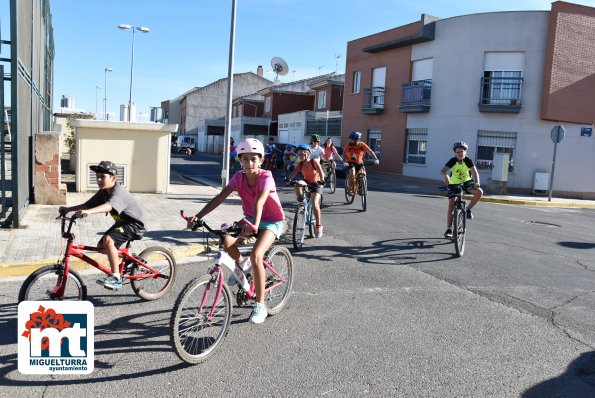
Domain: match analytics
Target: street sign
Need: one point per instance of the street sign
(558, 133)
(586, 131)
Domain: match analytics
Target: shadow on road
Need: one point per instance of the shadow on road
(145, 332)
(577, 381)
(390, 251)
(577, 245)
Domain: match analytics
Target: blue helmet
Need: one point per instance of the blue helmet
(460, 144)
(355, 135)
(305, 147)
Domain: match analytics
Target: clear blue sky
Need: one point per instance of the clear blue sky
(188, 45)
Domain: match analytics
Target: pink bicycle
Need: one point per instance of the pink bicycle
(202, 312)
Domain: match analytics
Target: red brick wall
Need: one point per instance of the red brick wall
(391, 122)
(569, 79)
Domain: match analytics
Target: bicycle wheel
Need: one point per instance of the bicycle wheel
(39, 285)
(332, 181)
(299, 227)
(459, 231)
(363, 191)
(349, 197)
(276, 298)
(193, 335)
(161, 260)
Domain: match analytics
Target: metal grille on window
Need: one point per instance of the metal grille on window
(374, 138)
(417, 144)
(490, 142)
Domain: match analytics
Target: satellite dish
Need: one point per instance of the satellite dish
(279, 66)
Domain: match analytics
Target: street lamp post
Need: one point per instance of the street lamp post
(97, 88)
(105, 93)
(133, 28)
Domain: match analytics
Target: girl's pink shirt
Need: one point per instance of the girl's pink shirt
(272, 210)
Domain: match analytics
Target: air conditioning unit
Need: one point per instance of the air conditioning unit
(92, 180)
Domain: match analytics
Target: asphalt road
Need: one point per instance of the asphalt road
(380, 307)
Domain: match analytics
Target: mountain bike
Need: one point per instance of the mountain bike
(360, 186)
(459, 218)
(203, 310)
(150, 273)
(304, 216)
(330, 175)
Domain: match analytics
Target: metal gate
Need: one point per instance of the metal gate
(31, 63)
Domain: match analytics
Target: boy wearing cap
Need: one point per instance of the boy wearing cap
(115, 199)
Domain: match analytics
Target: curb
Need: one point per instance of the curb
(25, 268)
(537, 203)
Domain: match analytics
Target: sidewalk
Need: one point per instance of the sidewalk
(414, 185)
(39, 243)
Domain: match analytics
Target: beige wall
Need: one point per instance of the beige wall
(142, 148)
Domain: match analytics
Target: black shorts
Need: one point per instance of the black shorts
(357, 166)
(453, 189)
(123, 232)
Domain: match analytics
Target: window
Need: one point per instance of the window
(321, 99)
(378, 81)
(502, 77)
(374, 138)
(502, 87)
(267, 104)
(357, 78)
(417, 146)
(490, 142)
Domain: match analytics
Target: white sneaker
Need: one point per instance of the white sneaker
(318, 232)
(259, 313)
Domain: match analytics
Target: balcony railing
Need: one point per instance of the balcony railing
(373, 100)
(500, 94)
(415, 96)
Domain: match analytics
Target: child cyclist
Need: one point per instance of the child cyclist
(115, 199)
(313, 174)
(260, 205)
(462, 170)
(330, 151)
(353, 155)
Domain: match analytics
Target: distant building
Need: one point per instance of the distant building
(499, 81)
(191, 109)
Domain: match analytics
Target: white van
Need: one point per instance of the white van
(185, 141)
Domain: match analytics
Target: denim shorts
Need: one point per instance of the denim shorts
(276, 227)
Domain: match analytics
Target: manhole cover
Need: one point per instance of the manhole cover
(544, 224)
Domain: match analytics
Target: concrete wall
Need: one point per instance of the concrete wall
(143, 148)
(210, 102)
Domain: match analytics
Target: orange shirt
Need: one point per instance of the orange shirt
(354, 153)
(309, 171)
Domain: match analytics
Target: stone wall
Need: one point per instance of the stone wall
(48, 188)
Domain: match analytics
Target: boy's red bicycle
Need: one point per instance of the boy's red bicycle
(151, 273)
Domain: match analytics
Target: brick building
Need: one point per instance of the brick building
(499, 81)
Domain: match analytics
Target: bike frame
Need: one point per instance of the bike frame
(218, 274)
(356, 176)
(218, 277)
(77, 250)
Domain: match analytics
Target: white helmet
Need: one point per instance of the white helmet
(250, 145)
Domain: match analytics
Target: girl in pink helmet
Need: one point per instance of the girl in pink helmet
(260, 205)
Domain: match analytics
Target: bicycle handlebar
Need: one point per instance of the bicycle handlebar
(235, 227)
(310, 186)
